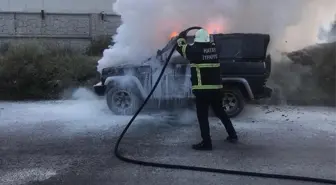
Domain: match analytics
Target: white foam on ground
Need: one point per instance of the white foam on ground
(85, 115)
(75, 115)
(24, 176)
(320, 118)
(84, 94)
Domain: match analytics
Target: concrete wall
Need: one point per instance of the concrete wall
(75, 30)
(58, 6)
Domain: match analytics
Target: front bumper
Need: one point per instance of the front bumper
(99, 89)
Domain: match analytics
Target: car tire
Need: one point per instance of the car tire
(233, 102)
(122, 100)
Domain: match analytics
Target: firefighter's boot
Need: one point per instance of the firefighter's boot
(203, 146)
(232, 139)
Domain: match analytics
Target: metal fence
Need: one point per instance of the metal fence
(65, 28)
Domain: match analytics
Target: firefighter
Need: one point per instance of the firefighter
(206, 84)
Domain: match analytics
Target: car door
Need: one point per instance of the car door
(175, 83)
(179, 79)
(182, 80)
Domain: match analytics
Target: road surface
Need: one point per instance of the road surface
(71, 143)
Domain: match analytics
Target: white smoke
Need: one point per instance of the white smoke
(328, 32)
(147, 24)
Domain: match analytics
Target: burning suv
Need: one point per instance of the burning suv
(245, 69)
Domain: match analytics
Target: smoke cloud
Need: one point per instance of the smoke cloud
(147, 24)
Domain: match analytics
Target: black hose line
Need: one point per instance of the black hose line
(195, 168)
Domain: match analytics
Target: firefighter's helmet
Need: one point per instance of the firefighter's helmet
(202, 36)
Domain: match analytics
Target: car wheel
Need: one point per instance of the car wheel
(233, 102)
(122, 101)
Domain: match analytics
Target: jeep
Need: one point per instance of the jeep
(245, 66)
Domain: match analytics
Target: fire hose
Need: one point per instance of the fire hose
(195, 168)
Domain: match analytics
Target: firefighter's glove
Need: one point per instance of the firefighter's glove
(181, 42)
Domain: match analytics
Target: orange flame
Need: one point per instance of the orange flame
(212, 28)
(174, 34)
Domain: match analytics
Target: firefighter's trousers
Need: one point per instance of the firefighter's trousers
(214, 99)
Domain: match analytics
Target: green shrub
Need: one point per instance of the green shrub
(4, 48)
(98, 45)
(32, 71)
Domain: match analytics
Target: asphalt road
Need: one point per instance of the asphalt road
(71, 143)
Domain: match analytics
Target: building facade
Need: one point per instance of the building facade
(58, 6)
(70, 22)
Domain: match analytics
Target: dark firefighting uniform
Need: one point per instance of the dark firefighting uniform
(206, 85)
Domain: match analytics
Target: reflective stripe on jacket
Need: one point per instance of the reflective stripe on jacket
(205, 68)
